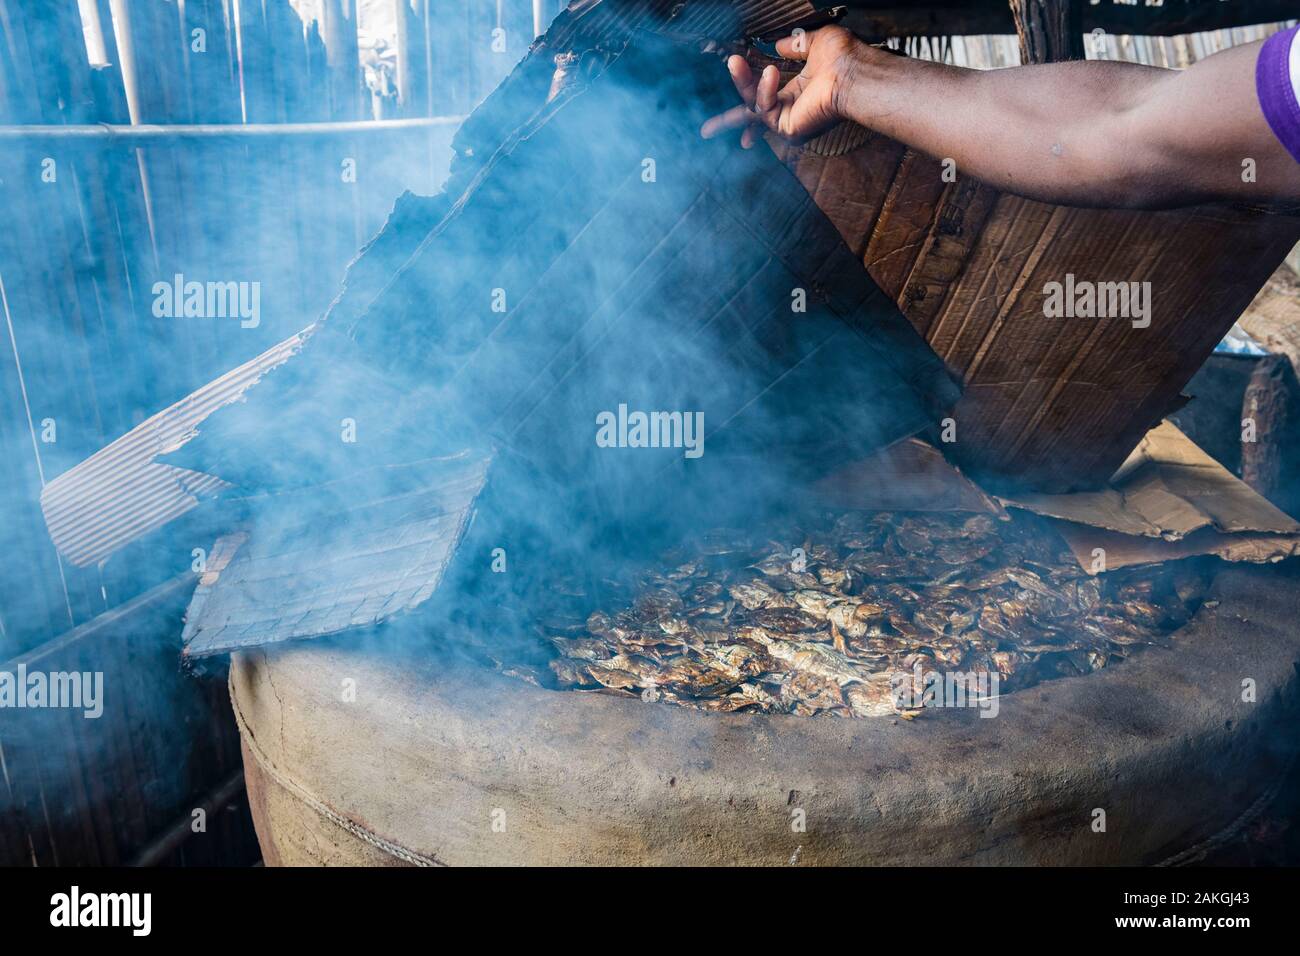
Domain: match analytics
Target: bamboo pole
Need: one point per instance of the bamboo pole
(144, 133)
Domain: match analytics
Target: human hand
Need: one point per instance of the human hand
(802, 108)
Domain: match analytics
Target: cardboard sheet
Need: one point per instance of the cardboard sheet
(1273, 319)
(1169, 500)
(1125, 550)
(639, 267)
(1167, 488)
(728, 236)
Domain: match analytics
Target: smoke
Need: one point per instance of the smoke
(589, 260)
(588, 252)
(94, 225)
(599, 255)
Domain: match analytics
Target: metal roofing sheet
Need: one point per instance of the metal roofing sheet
(120, 493)
(341, 555)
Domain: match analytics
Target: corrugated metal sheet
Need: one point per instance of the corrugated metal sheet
(765, 18)
(120, 493)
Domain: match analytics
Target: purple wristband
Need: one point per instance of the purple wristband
(1276, 95)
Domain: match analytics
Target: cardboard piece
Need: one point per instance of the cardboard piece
(123, 493)
(1123, 550)
(1169, 500)
(1273, 318)
(1167, 488)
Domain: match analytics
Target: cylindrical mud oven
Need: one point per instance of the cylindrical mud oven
(1151, 761)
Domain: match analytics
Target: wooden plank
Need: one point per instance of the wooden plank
(1050, 31)
(905, 220)
(959, 220)
(339, 32)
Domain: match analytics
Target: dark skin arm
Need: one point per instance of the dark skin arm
(1086, 133)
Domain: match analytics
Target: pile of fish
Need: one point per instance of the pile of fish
(823, 621)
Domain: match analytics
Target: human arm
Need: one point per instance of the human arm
(1086, 133)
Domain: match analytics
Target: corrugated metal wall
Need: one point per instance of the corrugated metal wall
(90, 224)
